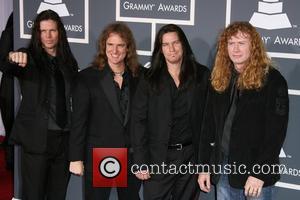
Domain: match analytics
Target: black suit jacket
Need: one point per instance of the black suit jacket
(152, 115)
(7, 102)
(7, 81)
(258, 129)
(96, 114)
(31, 123)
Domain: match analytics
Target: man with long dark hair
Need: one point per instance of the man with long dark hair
(102, 101)
(45, 70)
(245, 120)
(167, 111)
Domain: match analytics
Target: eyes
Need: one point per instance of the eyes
(49, 31)
(117, 46)
(236, 45)
(239, 43)
(175, 43)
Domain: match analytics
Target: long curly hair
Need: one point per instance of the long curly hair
(256, 68)
(131, 59)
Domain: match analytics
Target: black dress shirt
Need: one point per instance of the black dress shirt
(234, 97)
(123, 93)
(52, 92)
(180, 127)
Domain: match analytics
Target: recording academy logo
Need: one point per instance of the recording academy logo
(270, 16)
(75, 17)
(55, 5)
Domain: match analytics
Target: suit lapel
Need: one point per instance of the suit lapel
(110, 92)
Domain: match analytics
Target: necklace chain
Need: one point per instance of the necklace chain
(119, 73)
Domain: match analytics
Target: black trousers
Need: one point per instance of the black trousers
(46, 176)
(131, 192)
(175, 186)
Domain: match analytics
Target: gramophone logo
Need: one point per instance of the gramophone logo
(55, 5)
(283, 154)
(270, 16)
(75, 17)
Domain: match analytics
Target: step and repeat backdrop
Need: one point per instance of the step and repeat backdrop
(278, 22)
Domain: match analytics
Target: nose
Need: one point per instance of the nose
(171, 47)
(48, 34)
(115, 49)
(236, 47)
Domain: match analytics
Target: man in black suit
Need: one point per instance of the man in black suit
(101, 109)
(167, 111)
(246, 118)
(45, 71)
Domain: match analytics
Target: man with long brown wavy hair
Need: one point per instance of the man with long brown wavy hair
(102, 101)
(246, 118)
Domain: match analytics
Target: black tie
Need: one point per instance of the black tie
(61, 109)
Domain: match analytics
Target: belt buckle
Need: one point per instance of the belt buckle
(179, 147)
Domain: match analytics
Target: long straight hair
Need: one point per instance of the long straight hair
(158, 62)
(63, 50)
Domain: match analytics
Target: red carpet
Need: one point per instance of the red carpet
(6, 180)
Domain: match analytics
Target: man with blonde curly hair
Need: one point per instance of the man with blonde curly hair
(246, 118)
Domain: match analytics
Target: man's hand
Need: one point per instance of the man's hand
(204, 182)
(142, 175)
(253, 186)
(20, 58)
(76, 167)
